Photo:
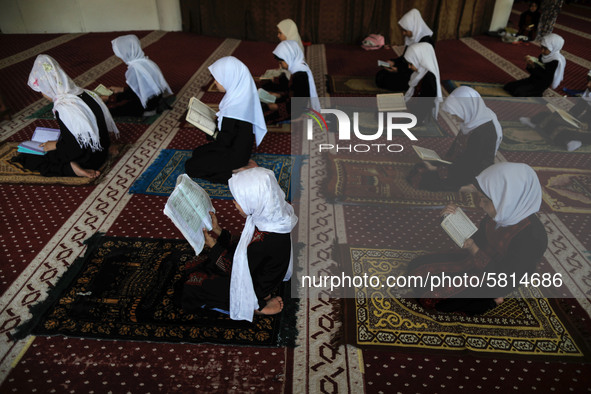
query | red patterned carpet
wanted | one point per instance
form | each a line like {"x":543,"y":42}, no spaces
{"x":44,"y":227}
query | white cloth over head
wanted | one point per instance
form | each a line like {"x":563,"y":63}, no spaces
{"x":49,"y":78}
{"x":290,"y":29}
{"x":259,"y":195}
{"x":554,"y":43}
{"x":292,"y":55}
{"x":413,"y":22}
{"x":241,"y":100}
{"x":422,"y":56}
{"x":468,"y":105}
{"x":514,"y":189}
{"x":143,"y":75}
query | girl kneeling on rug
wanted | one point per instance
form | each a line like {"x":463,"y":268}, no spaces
{"x":511,"y":240}
{"x":473,"y":149}
{"x":301,"y":84}
{"x":84,"y":123}
{"x":414,"y":30}
{"x":547,"y":72}
{"x":240,"y":124}
{"x":242,"y":277}
{"x":146,"y":86}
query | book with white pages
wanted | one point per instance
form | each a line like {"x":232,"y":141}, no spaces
{"x":273,"y":73}
{"x":382,"y":63}
{"x":391,"y":102}
{"x":40,"y":136}
{"x":458,"y":226}
{"x":202,"y":116}
{"x":565,"y":116}
{"x":102,"y":90}
{"x":428,"y":154}
{"x":266,"y":97}
{"x":536,"y":61}
{"x":188,"y":207}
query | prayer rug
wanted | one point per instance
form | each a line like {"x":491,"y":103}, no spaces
{"x":14,"y":173}
{"x":518,"y":137}
{"x":566,"y":189}
{"x":353,"y":181}
{"x":529,"y":325}
{"x":339,"y":84}
{"x":47,"y":113}
{"x":123,"y":289}
{"x":160,"y":178}
{"x":485,"y":89}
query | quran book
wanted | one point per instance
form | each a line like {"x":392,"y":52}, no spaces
{"x":536,"y":61}
{"x":391,"y":102}
{"x":102,"y":90}
{"x":201,"y":116}
{"x":41,"y":135}
{"x":270,"y":74}
{"x":565,"y":116}
{"x":459,"y":227}
{"x":266,"y":97}
{"x":188,"y":207}
{"x":428,"y":154}
{"x":382,"y":63}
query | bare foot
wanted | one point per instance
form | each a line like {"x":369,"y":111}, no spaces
{"x":251,"y":164}
{"x":83,"y":172}
{"x":273,"y":307}
{"x":499,"y":300}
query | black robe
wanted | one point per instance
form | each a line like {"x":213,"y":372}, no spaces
{"x":231,"y":150}
{"x":206,"y":282}
{"x":539,"y":80}
{"x":559,"y":132}
{"x":425,"y":91}
{"x":297,"y":86}
{"x":57,"y":162}
{"x":127,"y":103}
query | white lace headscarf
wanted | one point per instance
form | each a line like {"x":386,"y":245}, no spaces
{"x":257,"y":192}
{"x":294,"y":57}
{"x":413,"y":22}
{"x":554,"y":43}
{"x":290,"y":29}
{"x":514,"y":189}
{"x":143,"y":75}
{"x":50,"y":79}
{"x":422,"y":56}
{"x":241,"y":100}
{"x":466,"y":103}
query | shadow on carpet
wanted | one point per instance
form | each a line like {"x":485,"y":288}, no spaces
{"x":122,"y":289}
{"x":160,"y":178}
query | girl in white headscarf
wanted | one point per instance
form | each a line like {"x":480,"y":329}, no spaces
{"x":240,"y":124}
{"x":242,"y":278}
{"x":146,"y":84}
{"x":510,"y":240}
{"x":472,"y":151}
{"x":288,"y":30}
{"x":414,"y":30}
{"x":84,"y":123}
{"x":301,"y":84}
{"x":546,"y":72}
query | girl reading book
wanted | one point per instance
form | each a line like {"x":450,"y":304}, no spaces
{"x":146,"y":87}
{"x":473,"y":149}
{"x":240,"y":124}
{"x":241,"y":276}
{"x":84,"y":123}
{"x":511,"y":239}
{"x":301,"y":84}
{"x":414,"y":30}
{"x":545,"y":71}
{"x":288,"y":30}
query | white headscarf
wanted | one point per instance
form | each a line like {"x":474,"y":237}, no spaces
{"x":467,"y":104}
{"x":290,"y":29}
{"x":294,"y":57}
{"x":50,"y":79}
{"x":514,"y":190}
{"x":257,"y":192}
{"x":241,"y":100}
{"x":413,"y":22}
{"x":422,"y":56}
{"x":143,"y":75}
{"x":554,"y":43}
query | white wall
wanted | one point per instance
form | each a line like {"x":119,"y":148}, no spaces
{"x":72,"y":16}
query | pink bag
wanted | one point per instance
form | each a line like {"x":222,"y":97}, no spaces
{"x":373,"y":41}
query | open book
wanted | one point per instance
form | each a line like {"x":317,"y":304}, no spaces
{"x":391,"y":102}
{"x":266,"y":97}
{"x":565,"y":115}
{"x":41,"y":135}
{"x":102,"y":90}
{"x":382,"y":63}
{"x":273,"y":73}
{"x":459,"y":227}
{"x":428,"y":154}
{"x":536,"y":61}
{"x":201,"y":116}
{"x":188,"y":207}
